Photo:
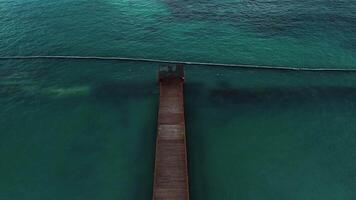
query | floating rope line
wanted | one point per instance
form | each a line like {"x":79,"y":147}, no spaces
{"x":265,"y":67}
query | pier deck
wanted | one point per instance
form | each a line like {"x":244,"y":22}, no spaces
{"x":171,"y":173}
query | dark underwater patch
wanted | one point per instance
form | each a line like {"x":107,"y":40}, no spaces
{"x":225,"y":95}
{"x":350,"y":44}
{"x":266,"y":17}
{"x":280,"y":95}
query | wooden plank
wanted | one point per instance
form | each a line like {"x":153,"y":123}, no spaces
{"x":171,"y":172}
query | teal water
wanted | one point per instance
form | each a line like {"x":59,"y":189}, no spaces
{"x":77,"y":130}
{"x":268,"y":135}
{"x":86,"y":130}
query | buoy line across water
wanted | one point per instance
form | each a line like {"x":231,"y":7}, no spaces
{"x":263,"y":67}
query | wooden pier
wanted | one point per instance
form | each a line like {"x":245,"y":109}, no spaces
{"x":171,"y":173}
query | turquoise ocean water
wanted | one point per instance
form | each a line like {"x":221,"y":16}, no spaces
{"x":86,"y":130}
